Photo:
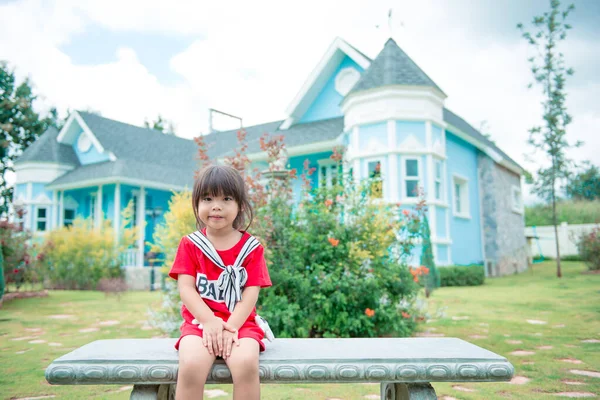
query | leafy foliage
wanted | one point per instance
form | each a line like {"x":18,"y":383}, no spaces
{"x":571,"y":212}
{"x":18,"y":255}
{"x":79,"y":256}
{"x":161,"y":125}
{"x":589,"y":249}
{"x":472,"y":275}
{"x":20,"y":126}
{"x":585,"y":185}
{"x":432,"y":280}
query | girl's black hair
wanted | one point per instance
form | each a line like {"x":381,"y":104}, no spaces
{"x":222,"y":180}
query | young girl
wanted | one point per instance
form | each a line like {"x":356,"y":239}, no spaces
{"x":219,"y":270}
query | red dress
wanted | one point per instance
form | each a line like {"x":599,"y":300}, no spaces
{"x":190,"y":260}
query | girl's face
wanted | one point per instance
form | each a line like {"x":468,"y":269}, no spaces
{"x":217,"y":213}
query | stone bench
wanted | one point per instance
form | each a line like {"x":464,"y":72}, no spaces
{"x":404,"y":366}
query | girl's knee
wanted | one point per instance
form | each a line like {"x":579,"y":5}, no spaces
{"x":192,"y":370}
{"x":243,"y":365}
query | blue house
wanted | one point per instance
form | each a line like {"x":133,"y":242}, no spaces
{"x":388,"y":114}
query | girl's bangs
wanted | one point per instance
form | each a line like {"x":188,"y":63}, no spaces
{"x":219,"y":183}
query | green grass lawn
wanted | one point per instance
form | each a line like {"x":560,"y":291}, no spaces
{"x":33,"y":332}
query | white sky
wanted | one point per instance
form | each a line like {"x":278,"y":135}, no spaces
{"x":250,"y":58}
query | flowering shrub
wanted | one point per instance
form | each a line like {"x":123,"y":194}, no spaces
{"x":79,"y":256}
{"x":18,"y":255}
{"x":589,"y":249}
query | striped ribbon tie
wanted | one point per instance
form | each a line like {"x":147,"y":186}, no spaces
{"x":233,"y":277}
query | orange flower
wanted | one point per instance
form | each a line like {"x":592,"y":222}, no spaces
{"x":328,"y":202}
{"x":405,"y":212}
{"x":425,"y":269}
{"x":369,"y":312}
{"x":405,"y":315}
{"x":334,"y":242}
{"x":416,"y":278}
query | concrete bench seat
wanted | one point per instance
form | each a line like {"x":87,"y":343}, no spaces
{"x":404,"y":366}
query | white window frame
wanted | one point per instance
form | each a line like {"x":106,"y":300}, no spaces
{"x":516,"y":207}
{"x":465,"y":205}
{"x":404,"y":177}
{"x":327,"y":163}
{"x":439,"y":180}
{"x":381,"y":161}
{"x":37,"y":219}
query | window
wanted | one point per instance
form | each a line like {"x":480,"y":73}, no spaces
{"x":41,"y":218}
{"x":374,"y":173}
{"x":460,"y":193}
{"x":68,"y":217}
{"x":439,"y":188}
{"x":517,"y":199}
{"x":328,"y":173}
{"x":411,"y":177}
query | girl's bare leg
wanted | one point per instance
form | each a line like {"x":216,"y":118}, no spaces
{"x":243,"y":364}
{"x":195,"y":363}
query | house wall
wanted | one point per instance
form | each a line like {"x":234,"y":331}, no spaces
{"x":297,"y":162}
{"x":466,"y":245}
{"x":327,"y":103}
{"x":506,"y":249}
{"x":91,"y":156}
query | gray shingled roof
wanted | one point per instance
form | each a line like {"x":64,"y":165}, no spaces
{"x":47,"y":149}
{"x":296,"y":135}
{"x":132,"y":169}
{"x":464,"y":126}
{"x":141,"y":153}
{"x":132,"y":143}
{"x":392,"y":67}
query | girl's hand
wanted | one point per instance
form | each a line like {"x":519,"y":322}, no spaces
{"x":212,"y":335}
{"x":228,"y":339}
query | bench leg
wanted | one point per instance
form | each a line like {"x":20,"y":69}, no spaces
{"x":407,"y":391}
{"x":153,"y":392}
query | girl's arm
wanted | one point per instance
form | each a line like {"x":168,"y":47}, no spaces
{"x":244,"y":307}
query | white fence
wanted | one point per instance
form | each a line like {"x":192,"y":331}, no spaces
{"x":543,"y":240}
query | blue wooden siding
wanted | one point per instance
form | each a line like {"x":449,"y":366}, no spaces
{"x":372,"y":132}
{"x":91,"y":156}
{"x":442,"y":254}
{"x":327,"y":103}
{"x":436,"y":133}
{"x":440,"y":221}
{"x":156,"y":200}
{"x":406,"y":128}
{"x":466,"y":235}
{"x":297,"y":162}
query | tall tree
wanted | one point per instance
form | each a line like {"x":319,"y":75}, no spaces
{"x":549,"y":71}
{"x":585,"y":185}
{"x":20,"y":126}
{"x":161,"y":125}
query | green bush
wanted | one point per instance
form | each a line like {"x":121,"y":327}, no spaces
{"x":572,"y":257}
{"x":332,"y":269}
{"x":589,"y":248}
{"x":571,"y":212}
{"x":18,"y":256}
{"x":472,"y":275}
{"x":79,"y":256}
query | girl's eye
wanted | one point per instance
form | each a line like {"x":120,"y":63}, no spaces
{"x":228,"y":198}
{"x":206,"y":199}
